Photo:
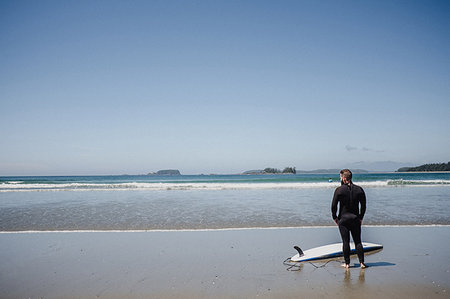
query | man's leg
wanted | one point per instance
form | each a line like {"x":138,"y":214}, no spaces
{"x":356,"y":235}
{"x":345,"y":235}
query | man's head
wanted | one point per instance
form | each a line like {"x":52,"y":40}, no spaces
{"x":346,"y":176}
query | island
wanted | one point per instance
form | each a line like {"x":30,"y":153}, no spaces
{"x":270,"y":170}
{"x":166,"y":172}
{"x":292,"y":170}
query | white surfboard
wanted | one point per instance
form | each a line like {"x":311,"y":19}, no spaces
{"x":330,"y":251}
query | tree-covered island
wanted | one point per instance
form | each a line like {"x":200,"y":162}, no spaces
{"x":270,"y":170}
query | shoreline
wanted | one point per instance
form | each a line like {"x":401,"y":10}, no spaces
{"x":216,"y":229}
{"x":220,"y":264}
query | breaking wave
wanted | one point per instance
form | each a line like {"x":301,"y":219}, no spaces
{"x":16,"y":186}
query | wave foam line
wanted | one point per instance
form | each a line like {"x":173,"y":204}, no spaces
{"x":15,"y":186}
{"x":162,"y":186}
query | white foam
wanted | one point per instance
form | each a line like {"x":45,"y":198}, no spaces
{"x":402,"y":182}
{"x":160,"y":186}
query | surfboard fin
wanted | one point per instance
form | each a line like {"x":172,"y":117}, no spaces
{"x":300,"y":252}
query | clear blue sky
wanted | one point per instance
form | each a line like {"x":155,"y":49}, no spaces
{"x":112,"y":87}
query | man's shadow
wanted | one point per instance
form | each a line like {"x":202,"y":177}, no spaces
{"x":379,"y":264}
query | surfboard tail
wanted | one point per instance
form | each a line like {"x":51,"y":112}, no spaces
{"x":300,"y":252}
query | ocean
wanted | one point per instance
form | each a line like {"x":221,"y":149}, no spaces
{"x":199,"y":202}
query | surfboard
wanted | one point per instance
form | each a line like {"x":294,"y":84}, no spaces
{"x":330,"y":251}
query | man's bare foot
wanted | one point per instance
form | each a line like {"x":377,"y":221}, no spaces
{"x":363,"y":266}
{"x":346,"y":266}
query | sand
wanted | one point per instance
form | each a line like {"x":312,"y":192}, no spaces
{"x":415,"y":263}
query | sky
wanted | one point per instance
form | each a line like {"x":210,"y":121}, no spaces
{"x":131,"y":87}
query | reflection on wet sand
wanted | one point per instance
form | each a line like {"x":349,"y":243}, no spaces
{"x":348,"y":280}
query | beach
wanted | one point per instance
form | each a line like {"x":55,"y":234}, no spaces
{"x":233,"y":263}
{"x":217,"y":237}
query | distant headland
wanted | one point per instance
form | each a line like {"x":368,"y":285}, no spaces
{"x":427,"y":167}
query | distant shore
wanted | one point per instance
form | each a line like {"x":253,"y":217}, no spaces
{"x":225,"y":174}
{"x":330,"y":172}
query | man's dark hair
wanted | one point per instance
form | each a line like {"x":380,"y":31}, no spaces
{"x":347,"y":174}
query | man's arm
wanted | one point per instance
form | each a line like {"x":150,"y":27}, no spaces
{"x":334,"y":204}
{"x":362,"y":202}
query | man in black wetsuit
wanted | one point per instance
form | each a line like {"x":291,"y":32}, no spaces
{"x":349,"y":197}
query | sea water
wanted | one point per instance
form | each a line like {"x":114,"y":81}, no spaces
{"x":69,"y":203}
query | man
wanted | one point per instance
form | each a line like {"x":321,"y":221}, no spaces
{"x":349,"y":197}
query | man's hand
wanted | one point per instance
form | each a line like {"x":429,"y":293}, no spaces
{"x":336,"y":221}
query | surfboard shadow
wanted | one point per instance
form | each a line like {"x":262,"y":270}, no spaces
{"x":379,"y":264}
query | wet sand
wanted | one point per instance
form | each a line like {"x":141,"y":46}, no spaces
{"x":415,"y":263}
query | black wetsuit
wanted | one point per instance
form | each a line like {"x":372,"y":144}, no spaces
{"x":350,"y":197}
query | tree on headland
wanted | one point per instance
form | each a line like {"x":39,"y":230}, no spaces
{"x":271,"y":170}
{"x":290,"y":170}
{"x":277,"y":171}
